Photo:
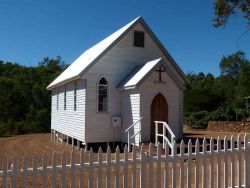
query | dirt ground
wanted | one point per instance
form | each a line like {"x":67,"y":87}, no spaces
{"x":41,"y":143}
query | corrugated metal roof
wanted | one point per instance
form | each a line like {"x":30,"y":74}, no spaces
{"x":82,"y":63}
{"x":141,"y":74}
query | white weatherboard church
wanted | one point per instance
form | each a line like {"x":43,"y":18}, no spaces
{"x":127,"y":78}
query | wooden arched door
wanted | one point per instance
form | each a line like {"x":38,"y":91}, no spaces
{"x":159,"y":112}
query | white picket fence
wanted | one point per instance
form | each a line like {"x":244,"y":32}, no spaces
{"x":218,"y":163}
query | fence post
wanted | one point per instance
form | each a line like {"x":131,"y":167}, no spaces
{"x":57,"y":138}
{"x":247,"y":155}
{"x":163,"y":139}
{"x":128,"y":141}
{"x":156,"y":132}
{"x":72,"y":142}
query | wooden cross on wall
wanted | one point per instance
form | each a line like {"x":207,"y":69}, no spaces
{"x":160,"y":70}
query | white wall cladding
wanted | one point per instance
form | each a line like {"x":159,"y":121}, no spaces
{"x":70,"y":122}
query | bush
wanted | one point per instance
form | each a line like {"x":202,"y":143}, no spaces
{"x":221,"y":114}
{"x":243,"y":114}
{"x":198,"y":120}
{"x":20,"y":128}
{"x":4,"y":131}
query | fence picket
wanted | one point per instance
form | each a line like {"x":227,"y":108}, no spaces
{"x":174,"y":155}
{"x":189,"y":166}
{"x":25,"y":166}
{"x":63,"y":162}
{"x":108,"y":170}
{"x":166,"y":173}
{"x":236,"y":156}
{"x":99,"y":177}
{"x":248,"y":164}
{"x":182,"y":164}
{"x":232,"y":162}
{"x":90,"y":168}
{"x":34,"y":166}
{"x":211,"y":163}
{"x":81,"y":176}
{"x":125,"y":176}
{"x":197,"y":163}
{"x":204,"y":164}
{"x":225,"y":162}
{"x":246,"y":156}
{"x":117,"y":167}
{"x":53,"y":178}
{"x":143,"y":168}
{"x":159,"y":165}
{"x":218,"y":165}
{"x":239,"y":161}
{"x":13,"y":179}
{"x":44,"y":172}
{"x":5,"y":168}
{"x":133,"y":167}
{"x":150,"y":166}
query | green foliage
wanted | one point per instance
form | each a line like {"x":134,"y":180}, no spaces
{"x":243,"y":114}
{"x":197,"y":120}
{"x":221,"y":114}
{"x":24,"y":101}
{"x":220,"y":96}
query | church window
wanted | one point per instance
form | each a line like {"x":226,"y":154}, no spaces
{"x":57,"y":99}
{"x":75,"y":95}
{"x":139,"y":39}
{"x":65,"y":100}
{"x":102,"y":95}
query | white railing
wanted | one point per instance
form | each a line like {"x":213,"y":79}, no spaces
{"x":220,"y":164}
{"x":135,"y":134}
{"x":165,"y":130}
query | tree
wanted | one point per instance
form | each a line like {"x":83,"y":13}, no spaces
{"x":231,"y":65}
{"x":24,"y":101}
{"x":243,"y":87}
{"x":225,"y":8}
{"x":203,"y":93}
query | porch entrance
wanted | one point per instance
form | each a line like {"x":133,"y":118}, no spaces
{"x":159,"y":112}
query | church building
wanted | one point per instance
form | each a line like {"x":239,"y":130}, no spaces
{"x":129,"y":78}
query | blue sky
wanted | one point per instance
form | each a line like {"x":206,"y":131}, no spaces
{"x":31,"y":30}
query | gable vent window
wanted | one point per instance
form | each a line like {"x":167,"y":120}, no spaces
{"x":103,"y":95}
{"x":139,"y":38}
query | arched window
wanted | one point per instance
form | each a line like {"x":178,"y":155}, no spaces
{"x":102,"y":95}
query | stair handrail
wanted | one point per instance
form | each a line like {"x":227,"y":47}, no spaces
{"x":163,"y":135}
{"x":128,"y":129}
{"x":133,"y":124}
{"x":135,"y":134}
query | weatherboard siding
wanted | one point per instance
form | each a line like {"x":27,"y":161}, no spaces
{"x":130,"y":113}
{"x":69,"y":121}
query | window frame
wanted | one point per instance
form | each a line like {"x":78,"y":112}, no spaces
{"x":98,"y":102}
